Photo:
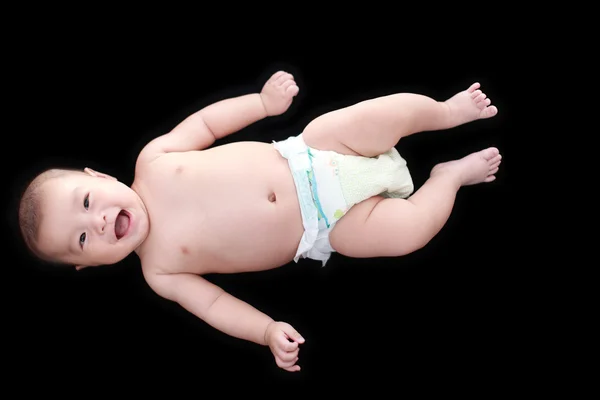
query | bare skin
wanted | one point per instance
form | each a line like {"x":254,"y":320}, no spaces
{"x":194,"y":204}
{"x":265,"y":233}
{"x":234,"y":208}
{"x":394,"y":227}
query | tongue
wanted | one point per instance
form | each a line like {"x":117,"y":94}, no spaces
{"x":121,"y":225}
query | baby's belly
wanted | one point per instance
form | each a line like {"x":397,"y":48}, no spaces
{"x":250,"y":234}
{"x":239,"y":211}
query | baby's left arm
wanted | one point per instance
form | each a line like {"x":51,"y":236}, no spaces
{"x":201,"y":129}
{"x":231,"y":115}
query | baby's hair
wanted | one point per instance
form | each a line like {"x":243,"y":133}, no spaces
{"x":30,"y":206}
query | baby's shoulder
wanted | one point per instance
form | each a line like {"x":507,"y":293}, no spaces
{"x":157,"y":171}
{"x":157,"y":280}
{"x":154,"y":261}
{"x":156,"y":162}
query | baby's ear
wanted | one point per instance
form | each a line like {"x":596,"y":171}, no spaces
{"x":98,"y":174}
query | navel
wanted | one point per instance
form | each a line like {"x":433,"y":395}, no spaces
{"x":272,"y":198}
{"x":185,"y":250}
{"x":178,"y":169}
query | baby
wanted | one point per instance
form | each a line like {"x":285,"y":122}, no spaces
{"x":339,"y":186}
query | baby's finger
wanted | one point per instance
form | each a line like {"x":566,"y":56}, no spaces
{"x":285,"y":355}
{"x":295,"y":368}
{"x":286,"y":345}
{"x":293,"y":355}
{"x":277,"y":75}
{"x":287,"y":84}
{"x":284,"y":77}
{"x":293,"y":334}
{"x":287,"y":364}
{"x":292,"y":90}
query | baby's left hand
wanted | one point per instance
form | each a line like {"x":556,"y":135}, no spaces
{"x":278,"y":93}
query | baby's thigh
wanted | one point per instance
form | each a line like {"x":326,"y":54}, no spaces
{"x":327,"y":131}
{"x":380,"y":227}
{"x":351,"y":235}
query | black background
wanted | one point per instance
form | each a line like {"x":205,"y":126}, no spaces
{"x":454,"y":313}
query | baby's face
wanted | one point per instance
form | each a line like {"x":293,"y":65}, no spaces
{"x":91,"y":220}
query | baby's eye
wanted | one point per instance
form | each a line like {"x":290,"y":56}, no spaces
{"x":82,"y":239}
{"x":86,"y":201}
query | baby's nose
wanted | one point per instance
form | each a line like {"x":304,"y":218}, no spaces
{"x":101,"y":223}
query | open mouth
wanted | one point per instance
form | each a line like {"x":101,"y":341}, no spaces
{"x":122,"y":224}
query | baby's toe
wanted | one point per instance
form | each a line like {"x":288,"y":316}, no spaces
{"x":488,"y":112}
{"x":476,"y":93}
{"x":490,"y":153}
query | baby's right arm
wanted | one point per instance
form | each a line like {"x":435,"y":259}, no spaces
{"x":230,"y":315}
{"x":213,"y":305}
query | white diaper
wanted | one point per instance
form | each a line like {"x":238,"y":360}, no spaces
{"x":328,"y":184}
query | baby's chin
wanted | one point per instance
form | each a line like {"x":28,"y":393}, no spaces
{"x":125,"y":247}
{"x":117,"y":252}
{"x":112,"y":257}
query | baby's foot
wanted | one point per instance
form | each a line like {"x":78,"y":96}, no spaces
{"x":475,"y":168}
{"x":470,"y":104}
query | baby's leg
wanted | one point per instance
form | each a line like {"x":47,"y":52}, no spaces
{"x":380,"y":227}
{"x":372,"y":127}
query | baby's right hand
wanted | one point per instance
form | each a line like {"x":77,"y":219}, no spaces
{"x":278,"y":336}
